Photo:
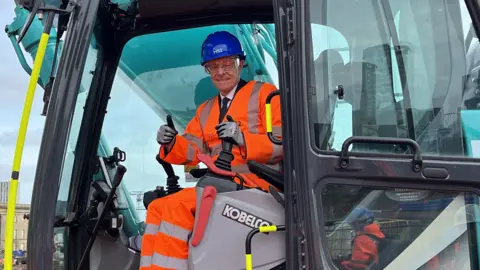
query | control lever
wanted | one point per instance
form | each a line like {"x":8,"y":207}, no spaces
{"x":172,"y":179}
{"x":117,"y":179}
{"x":207,"y":160}
{"x":224,"y":160}
{"x":170,"y":125}
{"x":198,"y":173}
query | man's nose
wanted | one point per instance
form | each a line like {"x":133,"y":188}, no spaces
{"x":221,"y":70}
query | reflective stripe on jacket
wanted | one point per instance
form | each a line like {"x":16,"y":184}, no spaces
{"x":248,"y":109}
{"x":169,"y":222}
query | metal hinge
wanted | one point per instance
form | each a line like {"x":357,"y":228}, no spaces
{"x":293,"y":197}
{"x":290,"y":22}
{"x":301,"y":249}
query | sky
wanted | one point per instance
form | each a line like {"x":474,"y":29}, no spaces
{"x":13,"y":87}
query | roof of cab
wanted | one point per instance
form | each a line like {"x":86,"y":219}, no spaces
{"x":166,"y":15}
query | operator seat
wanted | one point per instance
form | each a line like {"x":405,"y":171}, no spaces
{"x":204,"y":91}
{"x":227,"y":215}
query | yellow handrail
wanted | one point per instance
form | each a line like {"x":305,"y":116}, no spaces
{"x":17,"y":159}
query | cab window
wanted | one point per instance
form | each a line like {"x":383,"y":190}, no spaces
{"x":401,"y":69}
{"x":169,"y":80}
{"x":406,"y":69}
{"x":408,"y":229}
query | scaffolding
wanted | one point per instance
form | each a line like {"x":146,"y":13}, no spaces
{"x":340,"y":236}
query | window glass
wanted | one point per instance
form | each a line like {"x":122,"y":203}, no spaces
{"x":159,"y":76}
{"x":401,"y":228}
{"x":406,"y":69}
{"x":75,"y":129}
{"x":62,"y":198}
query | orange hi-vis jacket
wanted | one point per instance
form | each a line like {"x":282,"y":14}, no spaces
{"x":247,"y":108}
{"x":364,"y":248}
{"x":170,"y":219}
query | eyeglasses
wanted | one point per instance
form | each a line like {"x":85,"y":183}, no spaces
{"x":226,"y":64}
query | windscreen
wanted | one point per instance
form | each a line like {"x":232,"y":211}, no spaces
{"x":392,"y":68}
{"x":159,"y":75}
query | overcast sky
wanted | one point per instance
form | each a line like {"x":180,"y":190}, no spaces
{"x":13,"y":87}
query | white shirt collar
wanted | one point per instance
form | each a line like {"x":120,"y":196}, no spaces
{"x":230,"y":94}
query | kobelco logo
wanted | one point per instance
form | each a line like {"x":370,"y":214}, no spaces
{"x":243,"y":217}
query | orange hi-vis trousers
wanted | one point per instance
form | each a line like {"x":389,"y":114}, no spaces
{"x":170,"y":219}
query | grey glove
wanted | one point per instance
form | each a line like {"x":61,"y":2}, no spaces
{"x":230,"y":130}
{"x":165,"y":135}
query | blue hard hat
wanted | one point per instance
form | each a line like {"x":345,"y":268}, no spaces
{"x":359,"y":214}
{"x":221,"y":44}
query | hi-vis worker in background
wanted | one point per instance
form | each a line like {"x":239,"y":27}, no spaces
{"x":170,"y":219}
{"x":364,"y":249}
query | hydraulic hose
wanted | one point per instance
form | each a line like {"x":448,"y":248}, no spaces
{"x":20,"y":56}
{"x":17,"y":159}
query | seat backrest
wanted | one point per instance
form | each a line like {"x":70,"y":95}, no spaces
{"x":232,"y":216}
{"x":204,"y":90}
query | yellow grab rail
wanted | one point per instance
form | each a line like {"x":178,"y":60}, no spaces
{"x":17,"y":159}
{"x":248,"y":242}
{"x":268,"y":116}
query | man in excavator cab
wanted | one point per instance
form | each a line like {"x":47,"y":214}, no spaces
{"x":170,"y":219}
{"x":365,"y":248}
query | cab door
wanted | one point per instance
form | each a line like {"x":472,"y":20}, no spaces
{"x":381,"y":132}
{"x":55,"y":166}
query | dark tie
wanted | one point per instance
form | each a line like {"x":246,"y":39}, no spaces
{"x":224,"y":108}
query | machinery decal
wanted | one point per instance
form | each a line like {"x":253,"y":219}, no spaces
{"x":244,"y":217}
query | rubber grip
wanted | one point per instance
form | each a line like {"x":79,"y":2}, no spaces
{"x":268,"y":116}
{"x":170,"y":122}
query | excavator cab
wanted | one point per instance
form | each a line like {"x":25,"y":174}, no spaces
{"x":228,"y":212}
{"x":379,"y":106}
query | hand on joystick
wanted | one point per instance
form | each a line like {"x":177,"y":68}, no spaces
{"x":230,"y":131}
